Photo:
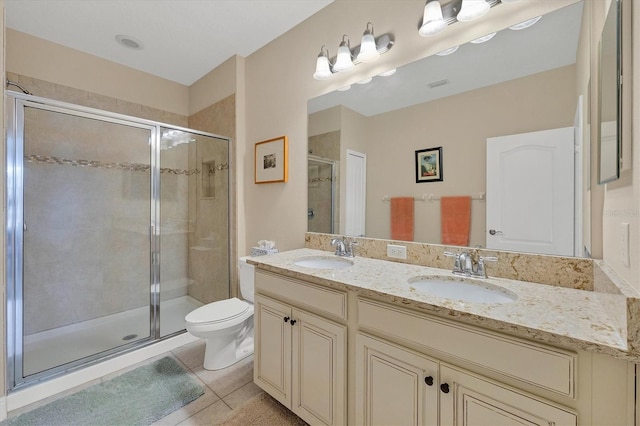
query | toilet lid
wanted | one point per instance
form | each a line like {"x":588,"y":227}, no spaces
{"x":222,"y":310}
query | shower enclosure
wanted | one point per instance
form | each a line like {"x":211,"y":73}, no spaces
{"x":117,"y":227}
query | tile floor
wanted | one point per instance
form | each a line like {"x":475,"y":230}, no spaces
{"x":225,"y":390}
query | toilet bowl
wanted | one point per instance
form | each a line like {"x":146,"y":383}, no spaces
{"x":226,"y":325}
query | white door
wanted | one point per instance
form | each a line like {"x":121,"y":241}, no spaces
{"x":530,"y":192}
{"x":355,"y":193}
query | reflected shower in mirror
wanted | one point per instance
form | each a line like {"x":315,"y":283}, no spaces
{"x":609,"y":98}
{"x":517,"y":82}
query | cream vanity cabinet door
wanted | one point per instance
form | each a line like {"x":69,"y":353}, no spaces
{"x":272,"y":355}
{"x":468,"y":399}
{"x":319,"y":356}
{"x":394,"y":386}
{"x":300,"y":360}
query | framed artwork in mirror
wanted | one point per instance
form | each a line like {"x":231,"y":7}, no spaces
{"x":429,"y":165}
{"x":271,"y":161}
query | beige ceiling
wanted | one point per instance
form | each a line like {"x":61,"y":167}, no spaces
{"x":183,"y":39}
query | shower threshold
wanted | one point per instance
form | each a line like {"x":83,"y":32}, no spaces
{"x":59,"y":346}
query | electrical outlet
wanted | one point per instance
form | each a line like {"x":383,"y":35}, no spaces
{"x":397,"y":252}
{"x":623,"y":235}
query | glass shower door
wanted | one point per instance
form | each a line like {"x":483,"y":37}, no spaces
{"x":194,"y":224}
{"x":85,"y":236}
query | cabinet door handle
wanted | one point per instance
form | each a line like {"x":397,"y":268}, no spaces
{"x":428,"y":380}
{"x":444,"y":388}
{"x":293,"y":322}
{"x":286,"y":319}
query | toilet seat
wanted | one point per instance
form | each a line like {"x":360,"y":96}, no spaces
{"x":223,"y":311}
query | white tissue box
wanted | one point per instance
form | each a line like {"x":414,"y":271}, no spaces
{"x":259,"y":251}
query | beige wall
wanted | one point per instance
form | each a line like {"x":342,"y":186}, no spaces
{"x":460,"y":125}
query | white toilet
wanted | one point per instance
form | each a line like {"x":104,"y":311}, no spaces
{"x":227,"y":325}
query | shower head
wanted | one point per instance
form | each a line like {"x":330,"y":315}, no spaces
{"x":25,"y":91}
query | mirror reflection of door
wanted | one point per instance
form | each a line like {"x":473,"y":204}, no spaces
{"x":355,"y":193}
{"x":321,"y":207}
{"x":530,"y":192}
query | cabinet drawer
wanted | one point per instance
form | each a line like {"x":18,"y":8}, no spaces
{"x":321,"y":299}
{"x":546,"y":367}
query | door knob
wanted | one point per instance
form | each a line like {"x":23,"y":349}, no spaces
{"x":444,"y":388}
{"x":292,"y":322}
{"x":428,"y":380}
{"x":286,"y":319}
{"x":494,"y":232}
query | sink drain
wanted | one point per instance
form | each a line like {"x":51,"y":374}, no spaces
{"x":130,"y":336}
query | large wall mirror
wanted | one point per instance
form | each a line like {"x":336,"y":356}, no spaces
{"x":609,"y":99}
{"x":518,"y":81}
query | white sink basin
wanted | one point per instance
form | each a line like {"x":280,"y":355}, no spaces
{"x":465,"y":290}
{"x":323,"y":262}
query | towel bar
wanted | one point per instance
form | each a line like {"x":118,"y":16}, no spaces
{"x":431,"y":197}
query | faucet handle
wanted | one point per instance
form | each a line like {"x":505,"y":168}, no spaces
{"x":351,"y":249}
{"x":457,"y":266}
{"x":481,"y":269}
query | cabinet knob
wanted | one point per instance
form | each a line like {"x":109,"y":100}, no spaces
{"x":286,"y":319}
{"x":444,"y":387}
{"x":293,"y":322}
{"x":428,"y":380}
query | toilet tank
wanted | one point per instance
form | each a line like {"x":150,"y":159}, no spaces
{"x":246,"y":279}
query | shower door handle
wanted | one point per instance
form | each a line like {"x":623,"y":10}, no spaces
{"x":24,"y":226}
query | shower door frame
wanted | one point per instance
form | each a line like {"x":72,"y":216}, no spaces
{"x":15,"y":228}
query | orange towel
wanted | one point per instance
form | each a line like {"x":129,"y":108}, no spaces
{"x":402,"y":218}
{"x":455,"y":214}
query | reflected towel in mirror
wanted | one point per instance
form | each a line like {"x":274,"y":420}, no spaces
{"x":455,"y":220}
{"x":402,"y":209}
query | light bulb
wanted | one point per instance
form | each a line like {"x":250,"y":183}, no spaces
{"x":323,"y":67}
{"x":432,"y":20}
{"x":472,"y":9}
{"x":343,"y":60}
{"x":368,"y":48}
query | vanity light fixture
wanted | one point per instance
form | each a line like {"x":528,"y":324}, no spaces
{"x":368,"y":50}
{"x":347,"y":57}
{"x":432,"y":19}
{"x":438,"y":16}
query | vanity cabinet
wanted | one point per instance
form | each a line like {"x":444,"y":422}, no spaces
{"x":393,"y":381}
{"x":300,"y":357}
{"x":396,"y":385}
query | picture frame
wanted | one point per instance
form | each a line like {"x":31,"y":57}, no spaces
{"x":429,"y":165}
{"x":271,"y":161}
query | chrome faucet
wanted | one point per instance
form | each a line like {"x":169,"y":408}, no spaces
{"x":464,"y":264}
{"x":344,"y":247}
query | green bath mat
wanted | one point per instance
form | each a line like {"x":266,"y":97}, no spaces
{"x":138,"y":397}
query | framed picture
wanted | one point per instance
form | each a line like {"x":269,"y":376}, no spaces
{"x":271,"y":161}
{"x":429,"y":165}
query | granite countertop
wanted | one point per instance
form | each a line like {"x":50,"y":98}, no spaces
{"x":570,"y":318}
